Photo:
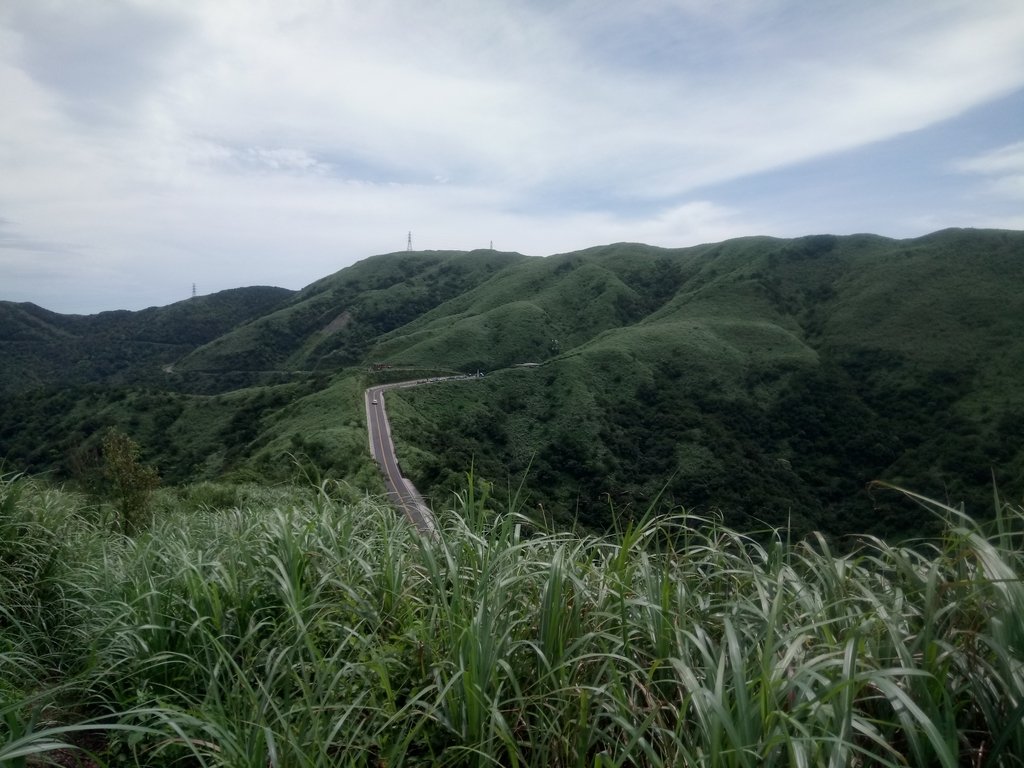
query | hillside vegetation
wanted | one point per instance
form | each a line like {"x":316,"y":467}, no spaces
{"x":772,"y":379}
{"x":331,"y":323}
{"x":768,"y":380}
{"x":252,"y":626}
{"x":42,"y":348}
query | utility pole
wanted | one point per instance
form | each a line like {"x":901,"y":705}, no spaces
{"x":408,"y":243}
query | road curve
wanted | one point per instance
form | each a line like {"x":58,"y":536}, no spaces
{"x":401,"y":492}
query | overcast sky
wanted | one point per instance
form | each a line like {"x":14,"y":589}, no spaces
{"x":146,"y":145}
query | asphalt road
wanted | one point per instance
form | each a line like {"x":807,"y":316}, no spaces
{"x":401,"y":492}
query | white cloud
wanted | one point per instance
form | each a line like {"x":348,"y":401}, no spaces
{"x":228,"y":142}
{"x":1002,"y":169}
{"x":999,"y":162}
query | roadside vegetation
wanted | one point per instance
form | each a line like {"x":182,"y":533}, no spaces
{"x":245,"y":625}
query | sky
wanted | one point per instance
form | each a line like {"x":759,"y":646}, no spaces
{"x":149,"y":146}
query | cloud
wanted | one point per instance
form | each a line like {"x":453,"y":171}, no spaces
{"x":523,"y":97}
{"x":1001,"y":186}
{"x":230,"y":142}
{"x":12,"y":240}
{"x":1002,"y":169}
{"x":98,"y":59}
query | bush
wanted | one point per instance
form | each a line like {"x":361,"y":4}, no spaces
{"x":132,"y":483}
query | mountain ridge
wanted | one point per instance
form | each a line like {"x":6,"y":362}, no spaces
{"x":752,"y":375}
{"x":44,"y":347}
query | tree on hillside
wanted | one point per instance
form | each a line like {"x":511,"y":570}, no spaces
{"x":133,"y":482}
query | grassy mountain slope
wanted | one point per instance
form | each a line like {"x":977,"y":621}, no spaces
{"x":42,"y":348}
{"x":330,"y":323}
{"x":771,"y":378}
{"x":777,"y":380}
{"x":532,"y":310}
{"x":304,"y":428}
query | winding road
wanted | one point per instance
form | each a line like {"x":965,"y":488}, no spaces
{"x":401,"y":491}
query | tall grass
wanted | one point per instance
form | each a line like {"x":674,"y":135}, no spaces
{"x":301,"y":630}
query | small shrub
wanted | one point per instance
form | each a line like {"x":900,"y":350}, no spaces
{"x":133,"y":482}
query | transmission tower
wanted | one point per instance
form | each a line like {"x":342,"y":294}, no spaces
{"x":408,"y":243}
{"x":193,"y":290}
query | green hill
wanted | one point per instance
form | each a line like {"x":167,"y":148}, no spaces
{"x":770,"y":378}
{"x":42,"y":348}
{"x":331,"y":323}
{"x":777,"y":380}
